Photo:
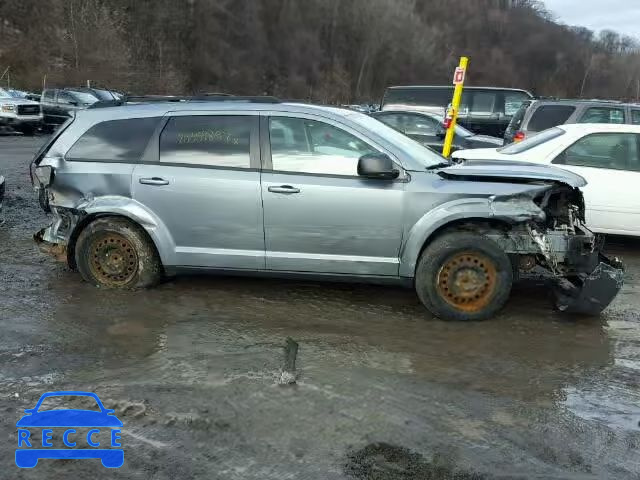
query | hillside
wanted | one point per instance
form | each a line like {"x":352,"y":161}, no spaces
{"x":326,"y":50}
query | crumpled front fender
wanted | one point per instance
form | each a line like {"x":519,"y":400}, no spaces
{"x":507,"y":208}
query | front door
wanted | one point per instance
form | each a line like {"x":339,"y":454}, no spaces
{"x":205,"y":189}
{"x":610,"y":162}
{"x":319,"y":215}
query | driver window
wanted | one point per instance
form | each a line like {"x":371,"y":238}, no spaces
{"x":617,"y":151}
{"x":309,"y":146}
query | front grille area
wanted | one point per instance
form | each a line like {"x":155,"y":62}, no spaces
{"x":28,"y":109}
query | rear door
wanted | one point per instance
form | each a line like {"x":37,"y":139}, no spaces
{"x":483,"y":117}
{"x":205,"y":188}
{"x":610,"y":162}
{"x":319,"y":215}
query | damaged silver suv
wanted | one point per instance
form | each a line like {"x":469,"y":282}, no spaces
{"x":252,"y":185}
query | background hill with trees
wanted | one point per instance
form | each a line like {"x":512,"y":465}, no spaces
{"x":325,"y":50}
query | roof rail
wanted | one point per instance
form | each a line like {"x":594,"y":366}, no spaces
{"x":206,"y":97}
{"x":580,"y":100}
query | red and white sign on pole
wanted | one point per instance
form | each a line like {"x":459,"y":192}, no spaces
{"x":458,"y":76}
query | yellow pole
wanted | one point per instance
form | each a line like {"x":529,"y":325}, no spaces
{"x":455,"y":106}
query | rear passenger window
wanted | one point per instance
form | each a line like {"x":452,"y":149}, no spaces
{"x":483,"y":103}
{"x":635,"y":117}
{"x":221,"y":140}
{"x":114,"y":141}
{"x":602,"y":115}
{"x":548,"y":116}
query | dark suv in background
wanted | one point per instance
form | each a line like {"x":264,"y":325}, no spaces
{"x":484,"y":110}
{"x":537,"y":115}
{"x":59,"y":103}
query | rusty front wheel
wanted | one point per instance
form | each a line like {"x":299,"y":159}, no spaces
{"x":467,"y":281}
{"x":464,"y":276}
{"x":114,"y":252}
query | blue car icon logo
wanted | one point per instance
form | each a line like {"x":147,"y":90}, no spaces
{"x":72,"y":429}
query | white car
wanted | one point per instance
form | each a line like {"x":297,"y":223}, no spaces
{"x":606,"y":155}
{"x":19,"y":113}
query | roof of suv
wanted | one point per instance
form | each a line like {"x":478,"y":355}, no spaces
{"x":161,"y":108}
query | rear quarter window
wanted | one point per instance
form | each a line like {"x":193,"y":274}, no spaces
{"x":114,"y":141}
{"x":547,"y":116}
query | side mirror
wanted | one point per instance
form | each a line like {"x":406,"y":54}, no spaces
{"x":377,"y":165}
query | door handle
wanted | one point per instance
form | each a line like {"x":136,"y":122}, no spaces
{"x":284,"y":189}
{"x":154,"y":181}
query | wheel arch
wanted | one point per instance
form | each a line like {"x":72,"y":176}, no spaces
{"x":452,"y":215}
{"x":151,"y":232}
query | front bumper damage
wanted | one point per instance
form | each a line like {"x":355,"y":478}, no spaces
{"x":590,"y":294}
{"x":585,"y":280}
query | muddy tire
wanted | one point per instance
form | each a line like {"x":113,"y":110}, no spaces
{"x":463,"y":276}
{"x":114,"y":252}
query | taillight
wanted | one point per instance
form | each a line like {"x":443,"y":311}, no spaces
{"x":518,"y":137}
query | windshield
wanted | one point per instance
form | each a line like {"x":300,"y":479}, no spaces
{"x":4,"y":93}
{"x":532,"y":142}
{"x":423,"y":154}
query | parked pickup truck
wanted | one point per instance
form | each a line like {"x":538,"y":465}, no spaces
{"x":19,"y":113}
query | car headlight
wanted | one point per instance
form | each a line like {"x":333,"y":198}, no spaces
{"x":8,"y":107}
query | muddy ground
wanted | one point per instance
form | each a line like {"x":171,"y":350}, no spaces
{"x":385,"y":391}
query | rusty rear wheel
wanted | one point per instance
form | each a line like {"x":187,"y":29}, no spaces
{"x":114,"y":252}
{"x":464,"y":276}
{"x":113,"y":261}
